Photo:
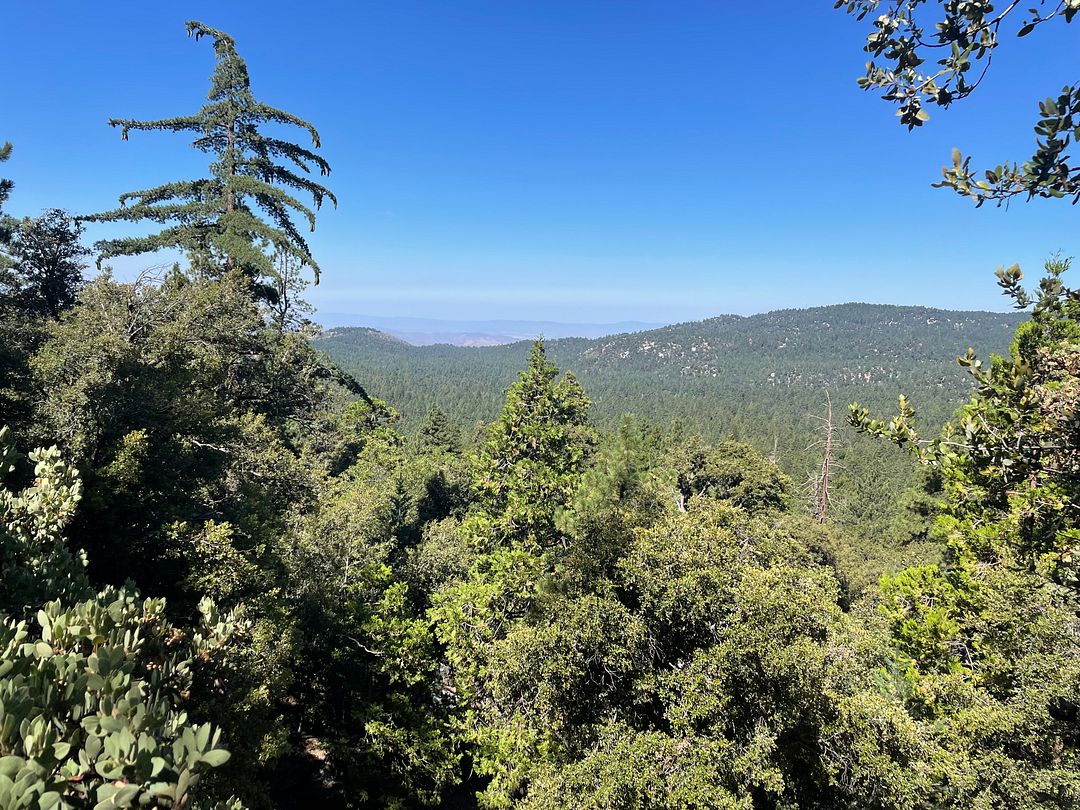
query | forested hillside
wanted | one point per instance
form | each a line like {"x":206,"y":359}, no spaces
{"x":726,"y":375}
{"x":764,"y":380}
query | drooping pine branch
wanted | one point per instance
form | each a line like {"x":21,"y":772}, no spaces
{"x":273,"y":147}
{"x":247,"y":204}
{"x":187,"y":122}
{"x":281,"y":117}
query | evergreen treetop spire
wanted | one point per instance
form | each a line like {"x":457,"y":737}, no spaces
{"x":7,"y":223}
{"x":246,"y":206}
{"x":5,"y":185}
{"x":535,"y":450}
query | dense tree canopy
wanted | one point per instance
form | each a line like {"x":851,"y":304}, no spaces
{"x":230,"y":577}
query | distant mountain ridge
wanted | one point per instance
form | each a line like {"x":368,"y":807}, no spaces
{"x":714,"y":374}
{"x":472,"y":333}
{"x":832,"y":345}
{"x":760,"y":379}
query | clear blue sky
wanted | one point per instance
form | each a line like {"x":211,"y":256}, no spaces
{"x":570,"y":159}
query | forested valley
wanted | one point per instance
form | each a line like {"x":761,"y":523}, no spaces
{"x":245,"y":563}
{"x":767,"y":381}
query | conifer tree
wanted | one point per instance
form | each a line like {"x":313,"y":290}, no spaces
{"x":534,"y":453}
{"x":5,"y":185}
{"x":245,"y":208}
{"x":6,"y":222}
{"x":438,"y":433}
{"x":48,"y":260}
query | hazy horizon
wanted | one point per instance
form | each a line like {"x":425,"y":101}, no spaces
{"x":333,"y":319}
{"x":566,"y":162}
{"x":497,"y":331}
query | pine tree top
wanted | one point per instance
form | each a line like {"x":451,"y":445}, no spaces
{"x":247,"y":204}
{"x":5,"y":185}
{"x":534,"y":452}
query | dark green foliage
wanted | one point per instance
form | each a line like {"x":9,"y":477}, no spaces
{"x":437,"y":433}
{"x":245,"y":205}
{"x":41,"y":263}
{"x":20,"y":334}
{"x":201,"y":430}
{"x":47,"y":262}
{"x":527,"y":468}
{"x":170,"y":428}
{"x":995,"y":625}
{"x":959,"y":38}
{"x":93,"y":692}
{"x":5,"y":191}
{"x":371,"y":690}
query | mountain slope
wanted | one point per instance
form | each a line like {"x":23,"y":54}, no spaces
{"x":760,"y":379}
{"x":777,"y":364}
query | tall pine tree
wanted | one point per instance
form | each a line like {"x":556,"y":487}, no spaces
{"x":438,"y":433}
{"x":243,"y":211}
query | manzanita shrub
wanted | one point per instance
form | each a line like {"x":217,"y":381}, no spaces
{"x":92,"y":693}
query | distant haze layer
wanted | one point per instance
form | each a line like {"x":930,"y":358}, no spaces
{"x":433,"y":331}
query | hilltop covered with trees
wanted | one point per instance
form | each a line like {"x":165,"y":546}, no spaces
{"x":764,"y":380}
{"x":228,"y":578}
{"x":723,"y":375}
